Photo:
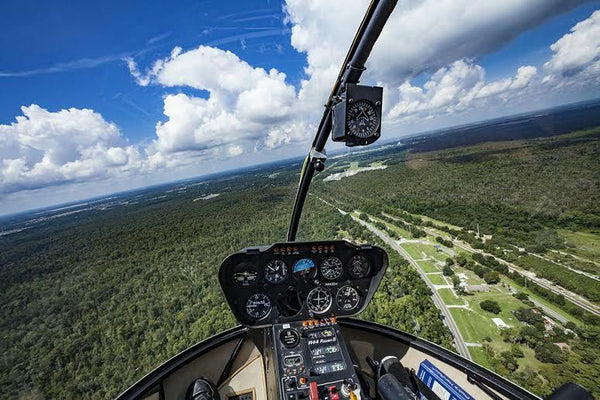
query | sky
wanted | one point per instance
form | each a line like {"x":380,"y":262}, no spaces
{"x":98,"y":97}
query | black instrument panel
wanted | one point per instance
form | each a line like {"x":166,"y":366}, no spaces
{"x":295,"y":281}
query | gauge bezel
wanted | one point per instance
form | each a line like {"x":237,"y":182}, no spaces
{"x":339,"y":293}
{"x":329,"y":301}
{"x":267,"y":313}
{"x":285,"y":272}
{"x":312,"y":270}
{"x":341,"y":268}
{"x":351,"y":270}
{"x":373,"y":109}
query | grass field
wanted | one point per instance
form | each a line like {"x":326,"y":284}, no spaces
{"x":474,"y":326}
{"x":437,"y":279}
{"x":472,"y":278}
{"x":440,"y":223}
{"x":587,"y":245}
{"x":449,"y":298}
{"x":402,"y":232}
{"x":428,"y":266}
{"x":419,"y":250}
{"x":478,"y":355}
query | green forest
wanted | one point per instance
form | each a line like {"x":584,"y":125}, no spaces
{"x":94,"y":300}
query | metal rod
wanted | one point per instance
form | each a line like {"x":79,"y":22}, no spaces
{"x":354,"y":64}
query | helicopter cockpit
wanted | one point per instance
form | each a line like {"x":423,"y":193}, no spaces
{"x":297,"y":290}
{"x":294,"y":302}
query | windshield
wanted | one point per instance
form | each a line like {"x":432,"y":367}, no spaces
{"x":142,"y":143}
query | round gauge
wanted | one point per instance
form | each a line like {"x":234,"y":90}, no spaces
{"x":275,"y":271}
{"x":258,"y":306}
{"x":332,"y":268}
{"x":244,"y":275}
{"x":347,"y":298}
{"x":362,"y":119}
{"x":359,"y":266}
{"x":305,"y":268}
{"x":318,"y":300}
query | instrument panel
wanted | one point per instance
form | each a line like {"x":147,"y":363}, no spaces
{"x":295,"y":281}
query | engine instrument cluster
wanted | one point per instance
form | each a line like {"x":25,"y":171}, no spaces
{"x":301,"y":280}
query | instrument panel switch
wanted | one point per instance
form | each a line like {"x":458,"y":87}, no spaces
{"x":333,"y":393}
{"x":314,"y":391}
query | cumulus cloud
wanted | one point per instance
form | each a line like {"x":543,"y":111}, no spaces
{"x":577,"y":54}
{"x":459,"y":87}
{"x":421,"y":36}
{"x":245,"y":107}
{"x":239,"y":109}
{"x":44,"y":148}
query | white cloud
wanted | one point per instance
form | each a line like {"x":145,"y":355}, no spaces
{"x":456,"y":88}
{"x":420,"y":35}
{"x":245,"y":105}
{"x":44,"y":148}
{"x":241,"y":110}
{"x":577,"y":54}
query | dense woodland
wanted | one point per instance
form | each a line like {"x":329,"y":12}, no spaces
{"x":94,"y":300}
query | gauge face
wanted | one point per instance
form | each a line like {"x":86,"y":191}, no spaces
{"x":332,"y":268}
{"x":319,"y":300}
{"x":258,"y":306}
{"x":347,"y":298}
{"x":362,"y":119}
{"x":359,"y":266}
{"x":305,"y":268}
{"x":275,"y":271}
{"x":245,"y":277}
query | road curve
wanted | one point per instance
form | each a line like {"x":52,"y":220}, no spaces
{"x":459,"y":342}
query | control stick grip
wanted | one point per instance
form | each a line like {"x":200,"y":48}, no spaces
{"x":389,"y":388}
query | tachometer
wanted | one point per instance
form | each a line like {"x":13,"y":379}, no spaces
{"x":258,"y":306}
{"x":359,"y":266}
{"x":319,"y":300}
{"x":332,"y":268}
{"x":347,"y":298}
{"x":275,"y":271}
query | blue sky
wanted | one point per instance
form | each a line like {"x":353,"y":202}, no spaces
{"x":87,"y":42}
{"x":60,"y":59}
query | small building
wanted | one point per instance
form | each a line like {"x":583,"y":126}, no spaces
{"x":477,"y":288}
{"x":548,"y":323}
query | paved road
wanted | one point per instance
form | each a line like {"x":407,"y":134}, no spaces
{"x":437,"y":300}
{"x":577,"y":271}
{"x":550,"y":312}
{"x":573,"y":297}
{"x":546,"y":284}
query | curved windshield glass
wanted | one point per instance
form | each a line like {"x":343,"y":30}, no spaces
{"x":142,"y":143}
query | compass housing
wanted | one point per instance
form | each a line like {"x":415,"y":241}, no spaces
{"x":357,"y":116}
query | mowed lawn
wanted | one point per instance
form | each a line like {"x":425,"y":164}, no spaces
{"x":437,"y":279}
{"x":417,"y":250}
{"x":476,"y":324}
{"x":449,"y":298}
{"x":428,"y":266}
